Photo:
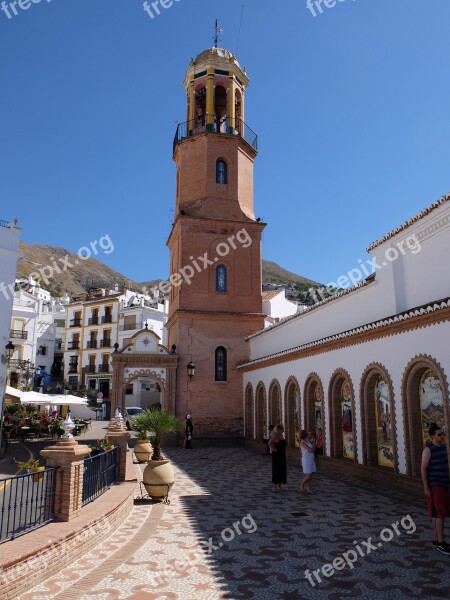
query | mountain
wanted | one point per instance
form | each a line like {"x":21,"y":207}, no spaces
{"x":65,"y":273}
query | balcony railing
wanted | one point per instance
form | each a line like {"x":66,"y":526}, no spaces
{"x":211,"y":124}
{"x":73,"y":346}
{"x":107,"y":319}
{"x":91,"y":344}
{"x":73,"y":368}
{"x":19,"y":334}
{"x":75,"y":323}
{"x":93,"y":321}
{"x":105,"y":344}
{"x":89,"y":369}
{"x":5,"y":224}
{"x":103,"y":368}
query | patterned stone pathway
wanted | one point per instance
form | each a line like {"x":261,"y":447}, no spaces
{"x":225,"y":535}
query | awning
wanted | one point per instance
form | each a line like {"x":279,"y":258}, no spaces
{"x":10,"y":391}
{"x":57,"y":400}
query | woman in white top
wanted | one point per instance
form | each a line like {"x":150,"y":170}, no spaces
{"x":307,"y":448}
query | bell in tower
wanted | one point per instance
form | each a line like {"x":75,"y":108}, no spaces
{"x":215,"y":245}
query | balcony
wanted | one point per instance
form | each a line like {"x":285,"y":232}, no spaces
{"x":89,"y":369}
{"x":73,"y":345}
{"x":103,"y":369}
{"x":91,"y":344}
{"x":107,"y":319}
{"x":73,"y":368}
{"x":210,"y":124}
{"x":105,"y":344}
{"x":93,"y":321}
{"x":19,"y":334}
{"x":75,"y":323}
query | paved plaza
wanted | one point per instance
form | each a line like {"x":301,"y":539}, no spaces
{"x":226,"y":535}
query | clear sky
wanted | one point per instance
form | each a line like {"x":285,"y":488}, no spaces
{"x":351,"y":107}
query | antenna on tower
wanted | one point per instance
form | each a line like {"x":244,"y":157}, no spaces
{"x":216,"y":36}
{"x":240,"y":29}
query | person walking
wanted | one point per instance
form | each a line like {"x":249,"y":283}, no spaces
{"x":188,"y":429}
{"x":307,"y":449}
{"x":436,"y":484}
{"x":277,"y":445}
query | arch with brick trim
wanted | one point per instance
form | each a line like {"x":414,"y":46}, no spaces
{"x":261,"y":411}
{"x":292,"y":403}
{"x":337,"y":380}
{"x":412,"y":417}
{"x":369,"y":433}
{"x":313,"y":391}
{"x":249,"y":412}
{"x":275,"y":408}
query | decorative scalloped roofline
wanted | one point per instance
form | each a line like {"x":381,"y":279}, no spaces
{"x":417,"y":217}
{"x":404,"y":316}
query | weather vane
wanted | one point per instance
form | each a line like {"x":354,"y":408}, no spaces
{"x":217,"y":31}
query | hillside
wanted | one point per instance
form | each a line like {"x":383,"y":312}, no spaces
{"x":77,"y":276}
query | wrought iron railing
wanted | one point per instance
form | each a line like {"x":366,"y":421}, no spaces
{"x":75,"y":323}
{"x":91,"y":344}
{"x":103,"y":368}
{"x":107,"y":319}
{"x":5,"y":224}
{"x":105,"y":344}
{"x":26,"y":502}
{"x":73,"y":345}
{"x":100,"y":473}
{"x":19,"y":334}
{"x":93,"y":321}
{"x":212,"y":124}
{"x":89,"y":369}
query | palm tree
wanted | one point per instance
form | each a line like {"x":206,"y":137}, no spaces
{"x":156,"y":422}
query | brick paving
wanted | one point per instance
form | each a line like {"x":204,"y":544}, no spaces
{"x":225,"y":535}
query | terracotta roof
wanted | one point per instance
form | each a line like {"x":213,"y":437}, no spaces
{"x":404,"y":316}
{"x":266,"y":296}
{"x":420,"y":215}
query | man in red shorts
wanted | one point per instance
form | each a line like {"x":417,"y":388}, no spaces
{"x":436,"y":484}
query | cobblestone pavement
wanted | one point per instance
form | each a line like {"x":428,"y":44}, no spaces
{"x":226,"y":535}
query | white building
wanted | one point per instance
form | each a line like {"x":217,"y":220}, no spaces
{"x":34,"y":324}
{"x":95,"y":322}
{"x":369,"y":365}
{"x":9,"y":253}
{"x":277,"y":307}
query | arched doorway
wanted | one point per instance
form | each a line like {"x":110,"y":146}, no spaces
{"x":249,"y":420}
{"x":314,"y":409}
{"x":378,"y":418}
{"x":275,"y":415}
{"x":261,"y":412}
{"x":424,"y":394}
{"x":292,"y":412}
{"x":342,"y":416}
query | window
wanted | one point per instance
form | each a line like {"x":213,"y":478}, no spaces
{"x":221,"y":172}
{"x":129,"y":389}
{"x":221,"y":364}
{"x":221,"y":279}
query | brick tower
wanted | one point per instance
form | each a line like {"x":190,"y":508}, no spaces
{"x":215,"y":246}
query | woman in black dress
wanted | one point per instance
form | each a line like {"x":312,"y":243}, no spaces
{"x":277,"y":445}
{"x":188,"y":429}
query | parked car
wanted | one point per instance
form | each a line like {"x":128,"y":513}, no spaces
{"x":130,"y":412}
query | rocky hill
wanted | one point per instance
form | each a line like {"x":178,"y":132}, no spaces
{"x":64,"y":273}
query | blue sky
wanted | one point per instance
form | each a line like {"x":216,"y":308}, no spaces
{"x":351,"y":108}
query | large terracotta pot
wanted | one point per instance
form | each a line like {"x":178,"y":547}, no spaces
{"x":40,"y":473}
{"x":143,"y":450}
{"x":158,"y":478}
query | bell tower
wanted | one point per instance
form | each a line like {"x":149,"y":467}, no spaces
{"x":215,"y":246}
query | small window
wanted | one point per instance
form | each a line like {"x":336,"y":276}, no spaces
{"x":221,"y":364}
{"x":221,"y":172}
{"x":221,"y":279}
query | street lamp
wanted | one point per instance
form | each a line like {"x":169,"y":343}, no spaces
{"x":191,"y":370}
{"x":9,"y":351}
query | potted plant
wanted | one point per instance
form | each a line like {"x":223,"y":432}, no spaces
{"x":142,"y":448}
{"x":158,"y":475}
{"x":32,"y":466}
{"x":56,"y":428}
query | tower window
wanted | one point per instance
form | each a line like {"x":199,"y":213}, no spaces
{"x":221,"y":172}
{"x":221,"y":279}
{"x":221,"y":364}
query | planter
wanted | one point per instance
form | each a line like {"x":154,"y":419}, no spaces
{"x":39,"y":473}
{"x":158,"y":478}
{"x":143,"y":450}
